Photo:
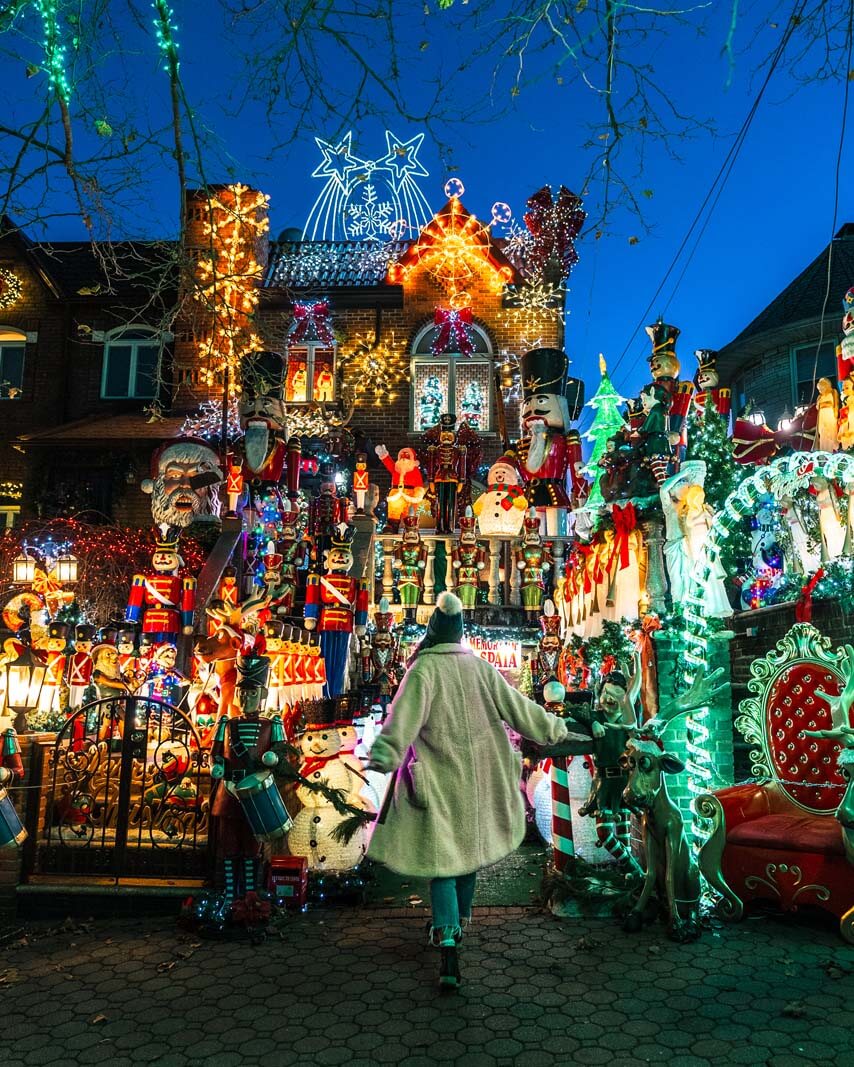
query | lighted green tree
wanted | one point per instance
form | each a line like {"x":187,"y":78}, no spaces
{"x":607,"y":420}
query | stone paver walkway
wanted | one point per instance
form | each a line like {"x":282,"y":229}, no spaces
{"x":357,"y":988}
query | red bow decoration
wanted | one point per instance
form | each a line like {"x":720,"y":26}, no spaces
{"x":251,"y":910}
{"x":314,"y":317}
{"x":609,"y":663}
{"x":625,"y":520}
{"x":453,"y":331}
{"x":554,"y":225}
{"x":803,"y":608}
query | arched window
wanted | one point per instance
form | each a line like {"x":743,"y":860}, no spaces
{"x":13,"y":344}
{"x":452,"y":382}
{"x":311,"y":372}
{"x":131,"y":361}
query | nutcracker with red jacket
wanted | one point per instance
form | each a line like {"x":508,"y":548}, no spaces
{"x":227,"y":590}
{"x":672,"y":395}
{"x":708,"y":387}
{"x":381,"y":665}
{"x":325,"y":512}
{"x":549,"y":452}
{"x":234,"y":483}
{"x":126,"y":648}
{"x":452,"y":458}
{"x":247,"y":803}
{"x":361,"y":480}
{"x":468,"y":561}
{"x":12,"y":831}
{"x":294,"y":551}
{"x":534,"y":562}
{"x":408,"y":563}
{"x":336,"y":605}
{"x":407,"y":483}
{"x":270,"y":457}
{"x":161,"y":600}
{"x":79,"y":665}
{"x":56,"y":659}
{"x":549,"y":650}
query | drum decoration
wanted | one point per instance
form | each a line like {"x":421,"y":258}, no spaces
{"x":263,"y":806}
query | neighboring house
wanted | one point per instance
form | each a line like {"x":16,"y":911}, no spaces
{"x":775,"y":362}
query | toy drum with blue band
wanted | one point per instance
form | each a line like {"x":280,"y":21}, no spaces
{"x":263,"y":806}
{"x":12,"y":830}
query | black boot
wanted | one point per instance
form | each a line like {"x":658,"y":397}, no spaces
{"x":449,"y":969}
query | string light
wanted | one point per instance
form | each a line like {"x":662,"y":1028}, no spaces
{"x":535,"y":306}
{"x":54,"y":50}
{"x":206,"y":423}
{"x":165,"y":28}
{"x":375,"y":370}
{"x":10,"y":288}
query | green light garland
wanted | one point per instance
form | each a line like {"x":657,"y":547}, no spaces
{"x":54,"y":50}
{"x":165,"y":29}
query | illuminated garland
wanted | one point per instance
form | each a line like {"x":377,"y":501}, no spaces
{"x":164,"y":28}
{"x":10,"y":288}
{"x":206,"y":423}
{"x":54,"y":50}
{"x":229,"y":276}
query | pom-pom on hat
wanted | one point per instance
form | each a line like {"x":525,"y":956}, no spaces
{"x":446,"y":623}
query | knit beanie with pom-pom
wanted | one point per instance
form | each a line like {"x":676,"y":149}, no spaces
{"x":446,"y":623}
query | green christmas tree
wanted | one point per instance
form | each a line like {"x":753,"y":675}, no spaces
{"x":430,"y":403}
{"x":472,"y":405}
{"x":607,"y":420}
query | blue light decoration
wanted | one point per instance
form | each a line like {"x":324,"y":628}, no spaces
{"x":373,"y":200}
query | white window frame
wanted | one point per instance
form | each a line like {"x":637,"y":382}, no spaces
{"x":451,"y":359}
{"x":12,"y":337}
{"x":134,"y":343}
{"x":808,"y":346}
{"x":310,"y":347}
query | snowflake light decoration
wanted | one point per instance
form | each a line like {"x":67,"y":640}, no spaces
{"x":534,"y":305}
{"x":10,"y":287}
{"x":374,"y":370}
{"x":369,"y":218}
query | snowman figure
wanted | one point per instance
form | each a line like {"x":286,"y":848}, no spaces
{"x":501,"y":509}
{"x":325,"y":760}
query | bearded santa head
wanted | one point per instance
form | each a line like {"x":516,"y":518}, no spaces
{"x":183,"y":483}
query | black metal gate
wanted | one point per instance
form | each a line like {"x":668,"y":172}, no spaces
{"x":125,"y":794}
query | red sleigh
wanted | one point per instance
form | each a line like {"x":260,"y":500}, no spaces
{"x":779,"y":839}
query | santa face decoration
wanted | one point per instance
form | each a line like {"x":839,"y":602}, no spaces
{"x":182,"y":485}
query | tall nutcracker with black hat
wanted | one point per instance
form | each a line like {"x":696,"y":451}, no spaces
{"x":335,"y":605}
{"x":549,"y":451}
{"x":161,"y":600}
{"x":380,"y":658}
{"x":534,"y":561}
{"x":452,"y":457}
{"x":408,"y":563}
{"x":247,"y":801}
{"x":708,"y":387}
{"x":271,"y":458}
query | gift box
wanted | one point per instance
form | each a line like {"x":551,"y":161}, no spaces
{"x":287,"y":880}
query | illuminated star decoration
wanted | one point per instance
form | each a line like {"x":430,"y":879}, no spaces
{"x":371,"y":200}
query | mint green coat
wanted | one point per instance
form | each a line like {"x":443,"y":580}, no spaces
{"x":457,"y":803}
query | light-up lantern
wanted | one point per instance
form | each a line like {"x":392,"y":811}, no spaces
{"x":786,"y":422}
{"x":24,"y":679}
{"x":757,"y":418}
{"x":65,"y":570}
{"x":23,"y":569}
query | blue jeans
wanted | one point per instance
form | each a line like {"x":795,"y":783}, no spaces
{"x":451,"y":900}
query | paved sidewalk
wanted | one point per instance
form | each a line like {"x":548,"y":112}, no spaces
{"x":357,"y":988}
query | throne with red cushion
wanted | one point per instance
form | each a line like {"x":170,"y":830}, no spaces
{"x":778,"y":838}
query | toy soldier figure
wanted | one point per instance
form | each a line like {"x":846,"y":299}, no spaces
{"x":325,"y":512}
{"x":233,"y":483}
{"x":360,"y":482}
{"x":274,"y":641}
{"x":162,"y":601}
{"x":664,"y":367}
{"x":409,"y":561}
{"x":126,"y":648}
{"x":549,"y":451}
{"x":469,"y":559}
{"x":80,"y":664}
{"x":380,"y":664}
{"x":335,"y":605}
{"x":707,"y":381}
{"x":294,"y":552}
{"x":548,"y":654}
{"x":533,"y":560}
{"x":243,"y":745}
{"x":447,"y":470}
{"x":55,"y":659}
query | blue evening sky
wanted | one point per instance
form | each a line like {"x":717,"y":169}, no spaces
{"x":774,"y":216}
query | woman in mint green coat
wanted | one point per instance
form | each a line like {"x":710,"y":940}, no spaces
{"x":457,"y":804}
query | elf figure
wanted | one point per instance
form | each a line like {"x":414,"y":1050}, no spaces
{"x":163,"y":601}
{"x":55,"y":655}
{"x":242,"y":746}
{"x":468,"y":559}
{"x":79,"y":665}
{"x":549,"y":452}
{"x":380,"y":665}
{"x":447,"y":469}
{"x":407,"y":483}
{"x":533,"y":560}
{"x":360,"y":482}
{"x":408,"y":562}
{"x":335,"y":605}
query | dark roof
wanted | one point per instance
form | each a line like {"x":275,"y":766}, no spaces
{"x":803,"y":299}
{"x":100,"y":429}
{"x":115,"y":269}
{"x":330,"y":264}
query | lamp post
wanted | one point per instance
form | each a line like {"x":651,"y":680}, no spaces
{"x":24,"y":678}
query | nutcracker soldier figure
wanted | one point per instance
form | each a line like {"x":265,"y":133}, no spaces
{"x":707,"y":383}
{"x":294,"y":553}
{"x":269,"y":455}
{"x":126,"y":648}
{"x":548,"y":653}
{"x":275,"y":589}
{"x":325,"y":512}
{"x":80,"y":664}
{"x":56,"y":658}
{"x":468,"y":559}
{"x":233,"y":483}
{"x":243,"y":746}
{"x":448,"y":467}
{"x":360,"y":482}
{"x":335,"y":605}
{"x":380,"y":658}
{"x":532,"y":559}
{"x":672,"y":396}
{"x":163,"y":601}
{"x":409,"y":561}
{"x":227,"y":591}
{"x":274,"y":649}
{"x":549,"y":451}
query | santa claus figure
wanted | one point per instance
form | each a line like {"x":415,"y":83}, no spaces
{"x":407,"y":483}
{"x":162,"y":601}
{"x":549,"y":451}
{"x":183,"y":483}
{"x":501,"y":509}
